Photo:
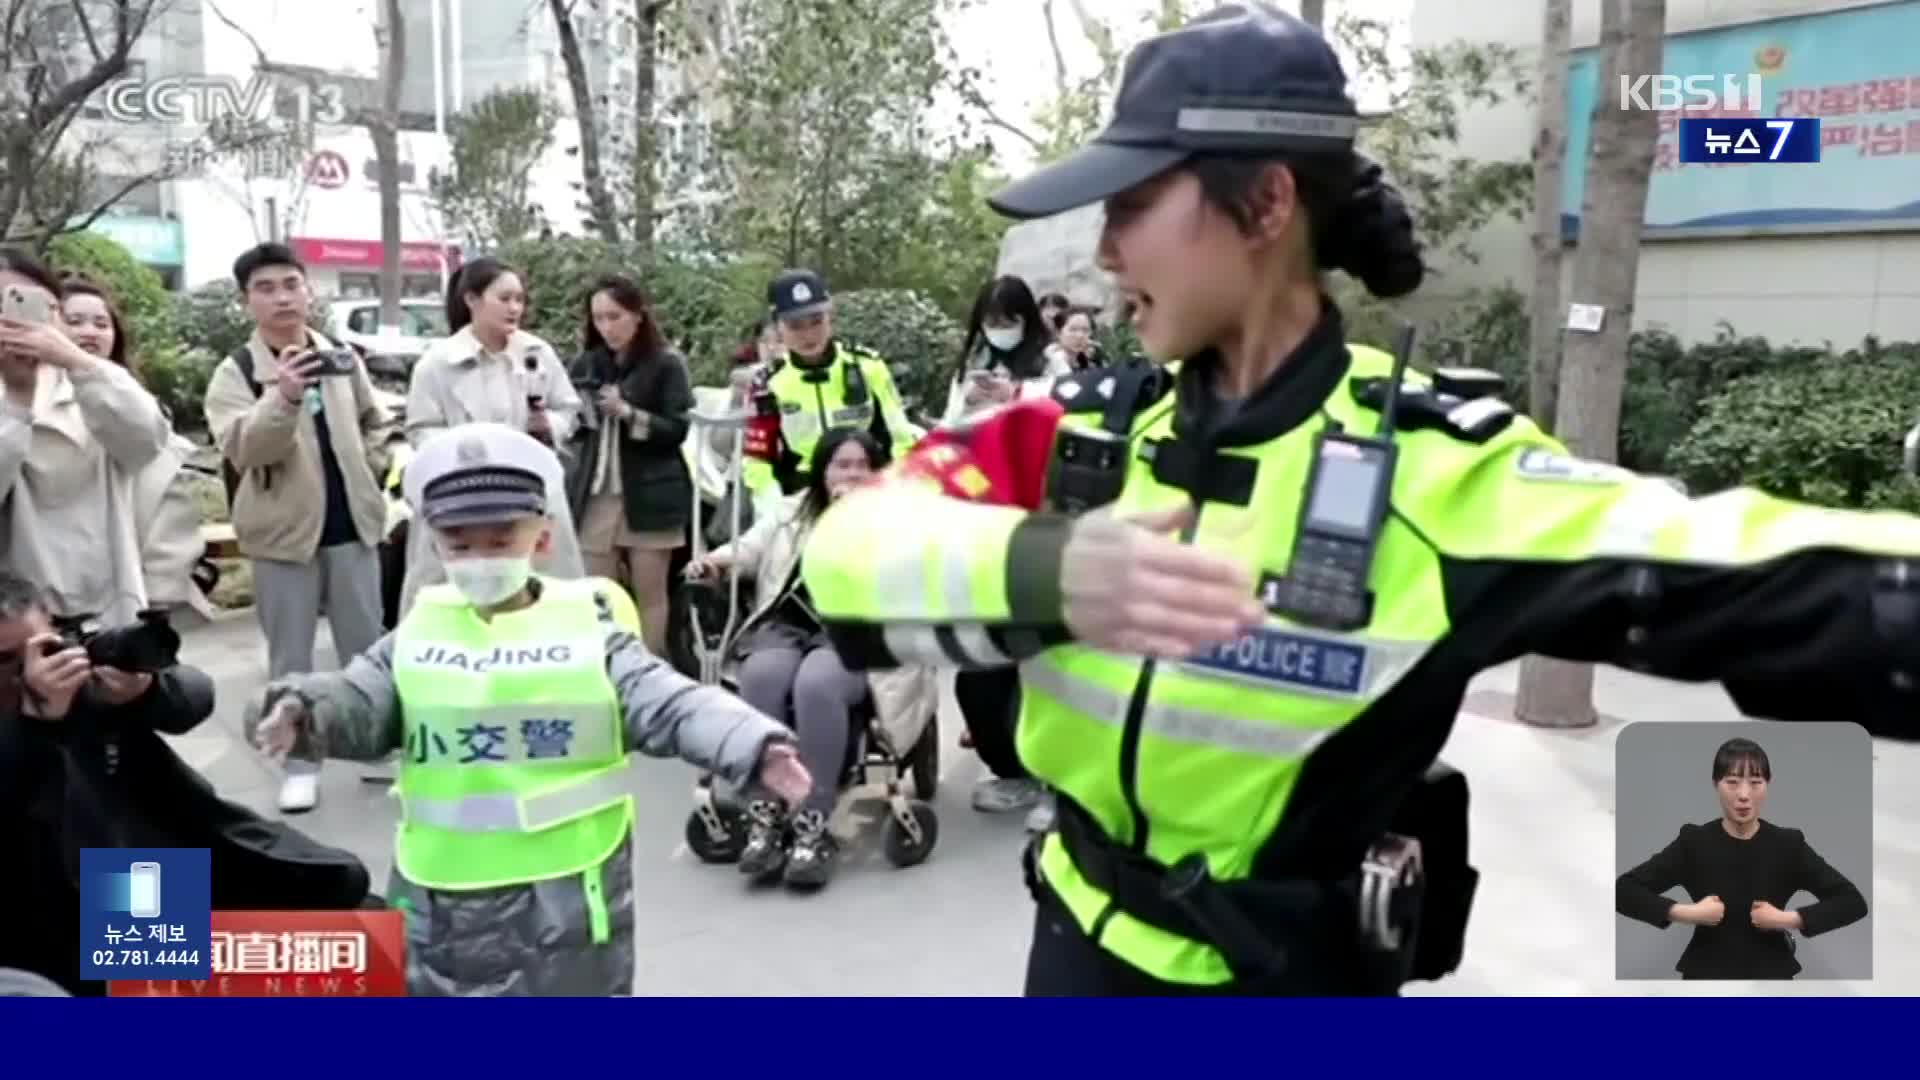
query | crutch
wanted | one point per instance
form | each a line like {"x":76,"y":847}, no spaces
{"x":734,"y":422}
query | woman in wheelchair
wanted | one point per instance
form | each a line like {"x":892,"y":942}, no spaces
{"x":789,"y":670}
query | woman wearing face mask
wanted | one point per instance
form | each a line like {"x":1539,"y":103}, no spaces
{"x":1004,"y":355}
{"x":522,"y":696}
{"x":75,"y":429}
{"x":167,"y":517}
{"x":489,"y":370}
{"x":790,"y":671}
{"x":631,"y":488}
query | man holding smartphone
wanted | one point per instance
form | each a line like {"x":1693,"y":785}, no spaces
{"x":297,"y":419}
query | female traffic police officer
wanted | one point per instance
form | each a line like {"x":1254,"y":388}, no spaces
{"x":824,"y":384}
{"x":1231,"y":720}
{"x":516,"y":699}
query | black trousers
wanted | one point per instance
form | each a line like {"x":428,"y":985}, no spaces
{"x":1064,"y":962}
{"x":990,"y":703}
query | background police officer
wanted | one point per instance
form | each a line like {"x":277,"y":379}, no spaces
{"x":824,"y":384}
{"x":1235,"y":676}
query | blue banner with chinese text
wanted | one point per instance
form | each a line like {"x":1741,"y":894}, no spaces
{"x":1858,"y":71}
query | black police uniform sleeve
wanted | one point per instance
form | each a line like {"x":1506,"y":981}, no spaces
{"x":1802,"y":613}
{"x":1837,"y":901}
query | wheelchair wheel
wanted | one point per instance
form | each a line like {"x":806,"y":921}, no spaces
{"x":923,"y":763}
{"x":722,"y":849}
{"x":900,"y":846}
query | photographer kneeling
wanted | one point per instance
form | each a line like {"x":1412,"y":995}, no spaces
{"x":82,"y":764}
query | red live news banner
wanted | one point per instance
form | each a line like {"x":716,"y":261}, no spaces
{"x":294,"y":954}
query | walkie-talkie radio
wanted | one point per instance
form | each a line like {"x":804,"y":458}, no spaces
{"x":1340,"y":519}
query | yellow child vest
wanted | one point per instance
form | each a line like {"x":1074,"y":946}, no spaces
{"x":1222,"y":735}
{"x":515,"y":753}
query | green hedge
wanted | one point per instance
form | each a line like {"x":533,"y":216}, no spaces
{"x":1802,"y":422}
{"x":145,"y":305}
{"x":908,"y":330}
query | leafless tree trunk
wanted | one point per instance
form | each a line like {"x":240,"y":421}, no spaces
{"x":1606,"y":265}
{"x":385,"y":132}
{"x":599,"y":196}
{"x":1549,"y":177}
{"x":1314,"y":12}
{"x":646,"y":140}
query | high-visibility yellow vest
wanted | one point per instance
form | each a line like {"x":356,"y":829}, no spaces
{"x":815,"y":401}
{"x":1172,"y":758}
{"x":515,"y":762}
{"x":1221,"y":735}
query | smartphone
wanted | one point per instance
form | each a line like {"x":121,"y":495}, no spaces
{"x":336,"y":361}
{"x":22,"y":304}
{"x":143,"y":895}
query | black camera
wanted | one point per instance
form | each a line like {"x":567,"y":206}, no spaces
{"x":146,"y":646}
{"x":336,"y":361}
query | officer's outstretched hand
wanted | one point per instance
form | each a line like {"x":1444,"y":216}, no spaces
{"x":1131,"y":586}
{"x":781,"y":773}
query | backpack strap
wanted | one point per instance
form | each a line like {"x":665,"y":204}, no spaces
{"x":243,"y":359}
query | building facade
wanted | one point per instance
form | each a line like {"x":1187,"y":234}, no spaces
{"x":1796,"y":253}
{"x":318,"y":191}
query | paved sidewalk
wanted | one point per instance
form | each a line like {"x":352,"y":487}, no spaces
{"x":1542,"y":837}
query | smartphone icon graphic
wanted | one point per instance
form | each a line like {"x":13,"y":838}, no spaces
{"x":143,"y":900}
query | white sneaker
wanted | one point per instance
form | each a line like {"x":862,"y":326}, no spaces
{"x":299,"y":792}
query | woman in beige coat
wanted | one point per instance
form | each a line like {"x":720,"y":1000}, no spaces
{"x":166,"y":515}
{"x":75,"y":429}
{"x":790,"y":672}
{"x":489,"y":371}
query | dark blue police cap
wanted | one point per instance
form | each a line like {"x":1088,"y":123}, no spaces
{"x":797,"y":293}
{"x":1242,"y":79}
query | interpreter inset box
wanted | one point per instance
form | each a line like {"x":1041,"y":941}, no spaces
{"x":1743,"y":851}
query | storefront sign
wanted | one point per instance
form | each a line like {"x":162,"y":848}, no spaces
{"x":365,"y":254}
{"x":207,"y":99}
{"x":150,"y":240}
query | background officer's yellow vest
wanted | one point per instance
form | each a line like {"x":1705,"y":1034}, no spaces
{"x":1222,"y":734}
{"x":515,"y":759}
{"x":808,"y":410}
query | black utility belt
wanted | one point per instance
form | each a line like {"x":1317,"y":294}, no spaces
{"x":1372,"y":917}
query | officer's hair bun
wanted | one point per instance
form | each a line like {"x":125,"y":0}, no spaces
{"x":1370,"y":235}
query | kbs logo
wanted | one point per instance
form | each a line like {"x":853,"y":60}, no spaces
{"x":294,"y":954}
{"x":1734,"y":94}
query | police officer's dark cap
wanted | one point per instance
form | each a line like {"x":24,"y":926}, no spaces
{"x":795,"y":294}
{"x":1242,"y":79}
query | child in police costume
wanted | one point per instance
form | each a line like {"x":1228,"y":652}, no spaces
{"x":515,"y":700}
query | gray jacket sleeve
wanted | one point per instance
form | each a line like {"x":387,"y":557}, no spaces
{"x":670,"y":715}
{"x":356,"y":712}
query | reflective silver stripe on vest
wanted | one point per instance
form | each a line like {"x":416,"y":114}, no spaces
{"x":519,"y":813}
{"x":510,"y":734}
{"x":1267,"y":738}
{"x":900,"y":579}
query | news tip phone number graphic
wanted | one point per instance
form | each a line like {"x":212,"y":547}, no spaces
{"x":1779,"y":140}
{"x":143,"y":958}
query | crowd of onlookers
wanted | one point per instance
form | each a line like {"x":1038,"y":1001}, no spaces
{"x":102,"y":520}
